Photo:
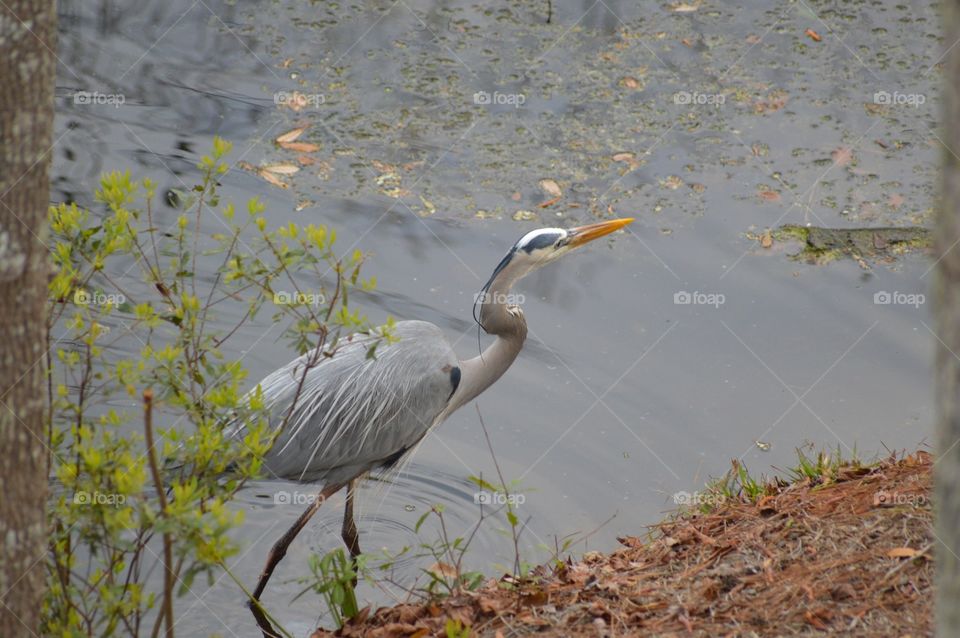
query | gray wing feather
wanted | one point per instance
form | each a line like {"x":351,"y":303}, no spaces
{"x":355,"y":413}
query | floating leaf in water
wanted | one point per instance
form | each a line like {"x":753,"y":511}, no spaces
{"x":281,"y":169}
{"x":292,"y":135}
{"x":525,"y":216}
{"x":300,"y":147}
{"x":813,"y":35}
{"x":302,"y":204}
{"x":628,"y":158}
{"x":672,"y":182}
{"x":265,"y":174}
{"x":766,"y":240}
{"x":630,"y":82}
{"x":428,"y":207}
{"x":550,"y":187}
{"x":683,"y":7}
{"x":763,"y":445}
{"x":769,"y":196}
{"x":276,"y":181}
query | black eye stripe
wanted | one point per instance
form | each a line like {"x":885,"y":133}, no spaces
{"x":544,"y":240}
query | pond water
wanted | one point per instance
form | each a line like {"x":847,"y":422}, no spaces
{"x":436,"y":123}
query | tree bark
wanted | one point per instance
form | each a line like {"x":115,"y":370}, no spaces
{"x":946,"y":296}
{"x":27,"y":70}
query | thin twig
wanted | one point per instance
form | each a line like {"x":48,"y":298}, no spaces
{"x":168,"y":575}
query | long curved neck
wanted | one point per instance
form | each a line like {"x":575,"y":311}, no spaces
{"x":508,"y":324}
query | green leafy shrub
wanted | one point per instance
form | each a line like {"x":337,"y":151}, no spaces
{"x":148,"y":347}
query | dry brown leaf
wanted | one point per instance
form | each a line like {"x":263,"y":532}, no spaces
{"x":273,"y":179}
{"x":550,"y":187}
{"x":281,"y":169}
{"x":300,"y":147}
{"x":903,"y":552}
{"x":769,"y":196}
{"x":813,"y":35}
{"x":766,"y":239}
{"x":306,"y":160}
{"x":291,"y":135}
{"x":630,"y":82}
{"x":443,"y":570}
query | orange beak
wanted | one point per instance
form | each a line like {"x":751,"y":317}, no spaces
{"x":583,"y":234}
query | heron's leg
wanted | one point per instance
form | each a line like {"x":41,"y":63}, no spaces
{"x":279,"y":549}
{"x":349,"y":529}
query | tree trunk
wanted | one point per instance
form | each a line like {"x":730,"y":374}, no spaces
{"x":947,"y":308}
{"x":27,"y":69}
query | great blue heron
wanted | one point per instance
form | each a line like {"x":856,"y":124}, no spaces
{"x":354,"y":413}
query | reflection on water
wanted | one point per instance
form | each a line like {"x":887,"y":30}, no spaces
{"x":624,"y":393}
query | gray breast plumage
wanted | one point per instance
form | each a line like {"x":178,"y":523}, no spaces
{"x":356,"y":413}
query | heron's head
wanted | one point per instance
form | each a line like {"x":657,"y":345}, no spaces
{"x":541,"y":247}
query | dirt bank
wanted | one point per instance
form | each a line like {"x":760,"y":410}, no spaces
{"x":846,"y":552}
